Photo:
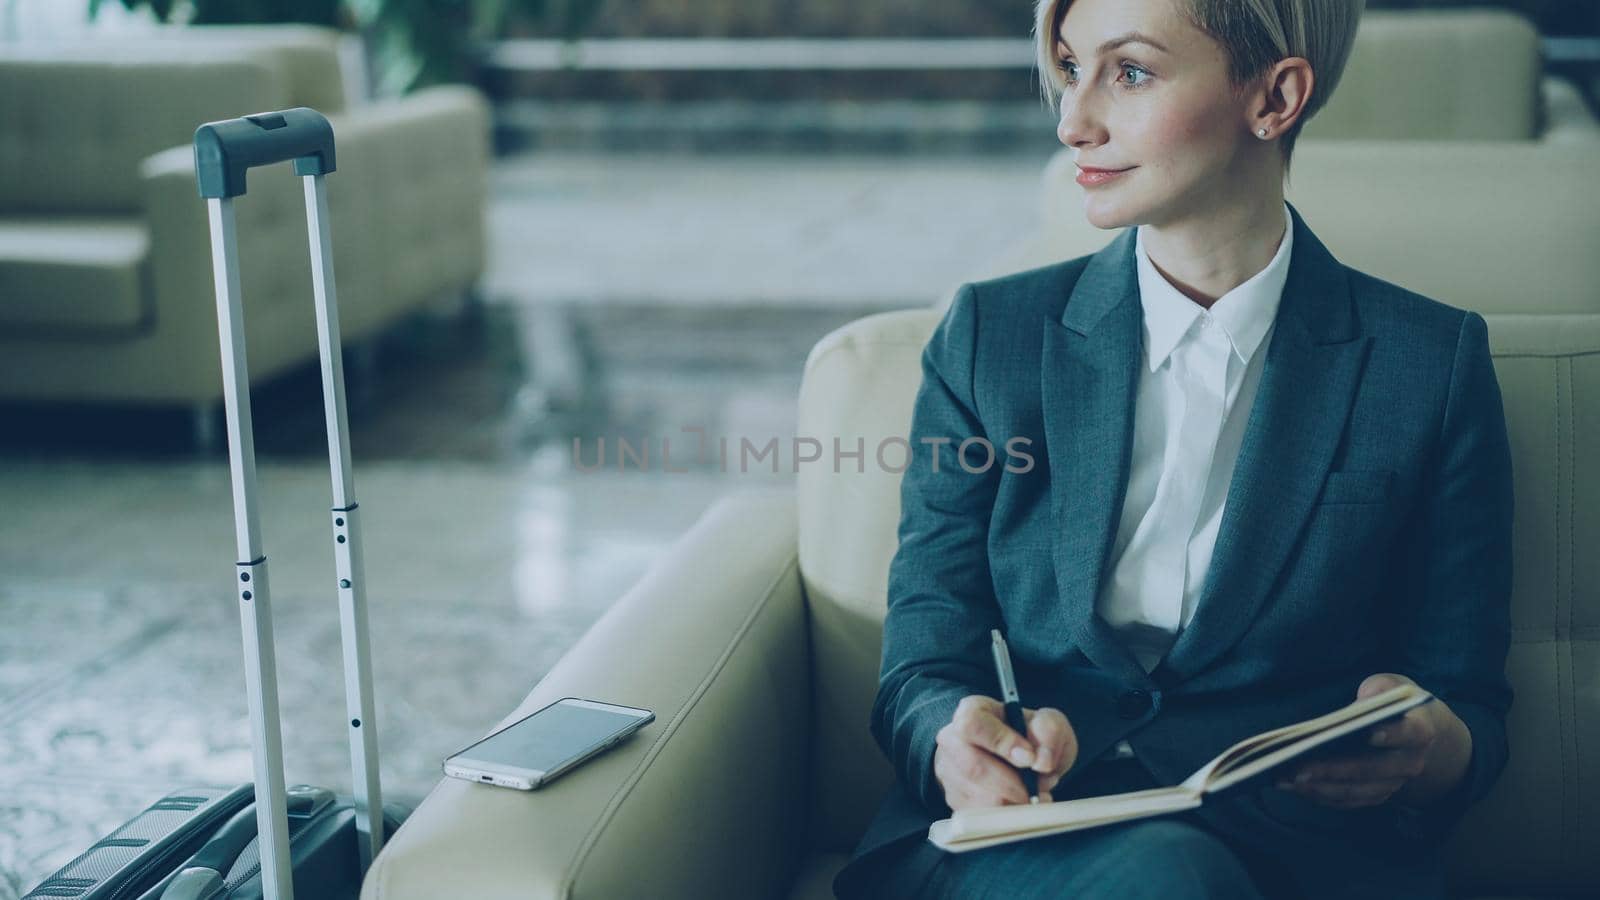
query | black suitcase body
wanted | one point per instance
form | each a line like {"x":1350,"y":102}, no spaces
{"x":149,"y":848}
{"x":324,"y":855}
{"x":215,"y":828}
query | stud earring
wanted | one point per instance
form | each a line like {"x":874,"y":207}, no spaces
{"x":1262,"y":132}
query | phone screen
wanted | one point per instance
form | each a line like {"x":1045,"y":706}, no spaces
{"x":549,"y":737}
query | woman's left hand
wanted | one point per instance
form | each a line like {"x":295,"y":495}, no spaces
{"x":1401,"y":754}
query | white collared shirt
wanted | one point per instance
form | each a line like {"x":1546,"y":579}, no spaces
{"x":1195,"y":392}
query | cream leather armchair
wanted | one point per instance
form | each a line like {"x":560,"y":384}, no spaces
{"x":106,"y":291}
{"x":756,"y":642}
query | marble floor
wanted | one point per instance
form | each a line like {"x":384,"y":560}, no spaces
{"x":487,"y":555}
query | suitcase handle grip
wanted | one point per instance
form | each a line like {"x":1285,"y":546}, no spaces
{"x":225,"y":150}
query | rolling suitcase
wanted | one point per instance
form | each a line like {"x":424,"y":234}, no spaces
{"x":261,"y":840}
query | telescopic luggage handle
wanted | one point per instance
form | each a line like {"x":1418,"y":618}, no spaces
{"x":224,"y":151}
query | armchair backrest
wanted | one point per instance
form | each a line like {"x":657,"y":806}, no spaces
{"x":1458,"y":74}
{"x":1531,"y":832}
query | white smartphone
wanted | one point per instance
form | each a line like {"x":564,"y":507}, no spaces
{"x":536,"y":749}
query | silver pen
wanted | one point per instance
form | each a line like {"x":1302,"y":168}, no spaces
{"x":1008,"y":695}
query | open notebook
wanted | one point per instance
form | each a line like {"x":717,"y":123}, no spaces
{"x":972,"y":829}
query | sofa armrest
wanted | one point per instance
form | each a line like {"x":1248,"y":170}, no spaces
{"x":1567,"y":116}
{"x":706,"y":800}
{"x":425,"y":157}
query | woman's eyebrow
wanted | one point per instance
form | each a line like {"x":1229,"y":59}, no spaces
{"x":1132,"y":37}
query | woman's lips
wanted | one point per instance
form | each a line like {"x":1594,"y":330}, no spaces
{"x":1092,"y":177}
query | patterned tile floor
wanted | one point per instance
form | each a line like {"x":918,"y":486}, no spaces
{"x":121,"y":674}
{"x":138,"y":681}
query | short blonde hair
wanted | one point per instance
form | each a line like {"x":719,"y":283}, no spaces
{"x":1254,"y":33}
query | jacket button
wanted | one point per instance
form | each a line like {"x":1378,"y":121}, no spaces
{"x":1133,"y":704}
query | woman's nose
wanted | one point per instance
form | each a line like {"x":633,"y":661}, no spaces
{"x":1079,"y":123}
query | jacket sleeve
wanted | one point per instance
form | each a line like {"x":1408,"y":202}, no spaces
{"x":1457,"y":591}
{"x":941,"y":601}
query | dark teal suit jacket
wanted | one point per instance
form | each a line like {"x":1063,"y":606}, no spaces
{"x":1367,"y":529}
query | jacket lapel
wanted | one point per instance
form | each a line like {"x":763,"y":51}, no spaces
{"x":1090,"y":372}
{"x":1313,"y":369}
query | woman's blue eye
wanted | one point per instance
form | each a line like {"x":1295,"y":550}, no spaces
{"x":1068,"y":68}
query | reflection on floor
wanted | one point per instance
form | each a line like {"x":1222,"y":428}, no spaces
{"x":488,"y":554}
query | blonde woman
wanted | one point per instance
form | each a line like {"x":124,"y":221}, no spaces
{"x":1262,"y":485}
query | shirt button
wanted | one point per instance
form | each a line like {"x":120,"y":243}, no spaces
{"x":1133,"y":704}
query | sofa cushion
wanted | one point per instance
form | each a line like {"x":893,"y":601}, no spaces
{"x":73,"y":275}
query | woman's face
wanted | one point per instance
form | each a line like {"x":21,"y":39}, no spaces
{"x":1158,"y":106}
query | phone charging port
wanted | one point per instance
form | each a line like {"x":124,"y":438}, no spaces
{"x":485,"y":778}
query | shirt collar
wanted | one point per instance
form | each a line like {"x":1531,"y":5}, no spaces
{"x":1245,"y":313}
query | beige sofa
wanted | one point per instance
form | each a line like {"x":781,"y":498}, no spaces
{"x":106,"y":291}
{"x":757,"y":639}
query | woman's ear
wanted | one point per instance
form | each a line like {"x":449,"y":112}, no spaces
{"x":1285,"y":90}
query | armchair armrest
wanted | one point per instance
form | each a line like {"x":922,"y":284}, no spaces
{"x":707,"y":800}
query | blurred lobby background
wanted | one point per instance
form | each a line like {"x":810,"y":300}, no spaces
{"x":555,"y":223}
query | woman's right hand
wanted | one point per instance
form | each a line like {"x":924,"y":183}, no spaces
{"x":972,"y":753}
